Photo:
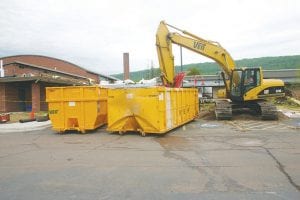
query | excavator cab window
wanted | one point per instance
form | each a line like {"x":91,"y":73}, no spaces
{"x":251,"y":79}
{"x":243,"y":80}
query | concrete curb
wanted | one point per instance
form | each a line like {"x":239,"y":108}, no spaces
{"x":24,"y":127}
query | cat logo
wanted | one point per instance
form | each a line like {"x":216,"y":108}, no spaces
{"x":198,"y":45}
{"x":52,"y":112}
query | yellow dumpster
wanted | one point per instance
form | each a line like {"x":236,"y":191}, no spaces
{"x":150,"y":110}
{"x":78,"y":108}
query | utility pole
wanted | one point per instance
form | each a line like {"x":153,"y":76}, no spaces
{"x":152,"y":70}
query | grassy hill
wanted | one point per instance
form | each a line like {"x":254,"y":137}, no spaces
{"x":209,"y":68}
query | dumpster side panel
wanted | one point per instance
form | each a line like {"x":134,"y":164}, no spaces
{"x":56,"y":108}
{"x":133,"y":109}
{"x":101,"y":107}
{"x":77,"y":108}
{"x":56,"y":115}
{"x":150,"y":110}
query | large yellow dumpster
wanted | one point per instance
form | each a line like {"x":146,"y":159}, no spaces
{"x":151,"y":110}
{"x":78,"y":108}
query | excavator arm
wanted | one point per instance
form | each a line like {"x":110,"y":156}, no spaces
{"x":213,"y":50}
{"x":165,"y":55}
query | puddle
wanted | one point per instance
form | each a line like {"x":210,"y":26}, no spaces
{"x":209,"y":125}
{"x":294,"y":123}
{"x":247,"y":142}
{"x":173,"y":142}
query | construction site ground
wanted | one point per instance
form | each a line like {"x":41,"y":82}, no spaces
{"x":245,"y":158}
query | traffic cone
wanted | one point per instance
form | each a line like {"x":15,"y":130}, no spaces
{"x":31,"y":114}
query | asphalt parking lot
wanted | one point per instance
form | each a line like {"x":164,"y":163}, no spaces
{"x":205,"y":159}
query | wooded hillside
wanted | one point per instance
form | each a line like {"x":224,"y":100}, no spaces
{"x":209,"y":68}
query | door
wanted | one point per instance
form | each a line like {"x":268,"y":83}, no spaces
{"x":236,"y":89}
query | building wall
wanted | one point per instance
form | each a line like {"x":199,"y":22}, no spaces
{"x":2,"y":97}
{"x":27,"y":71}
{"x":44,"y":105}
{"x":51,"y":63}
{"x":16,"y":70}
{"x":12,"y":102}
{"x":17,"y":97}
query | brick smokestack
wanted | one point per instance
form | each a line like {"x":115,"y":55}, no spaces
{"x":126,"y":65}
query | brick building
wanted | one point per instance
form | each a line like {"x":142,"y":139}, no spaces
{"x":22,"y":86}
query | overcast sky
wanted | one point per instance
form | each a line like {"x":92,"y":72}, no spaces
{"x":94,"y":34}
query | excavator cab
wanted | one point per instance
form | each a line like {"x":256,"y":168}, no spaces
{"x":242,"y":81}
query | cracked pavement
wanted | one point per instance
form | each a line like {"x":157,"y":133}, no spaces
{"x":205,"y":159}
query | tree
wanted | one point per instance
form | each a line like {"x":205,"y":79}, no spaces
{"x":193,"y":71}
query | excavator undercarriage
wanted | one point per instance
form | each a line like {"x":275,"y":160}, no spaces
{"x":224,"y":109}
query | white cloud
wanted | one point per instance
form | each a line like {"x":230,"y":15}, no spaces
{"x":94,"y":34}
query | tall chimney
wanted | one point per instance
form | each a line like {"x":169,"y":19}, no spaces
{"x":126,"y":65}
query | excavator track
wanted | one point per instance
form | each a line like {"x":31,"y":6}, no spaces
{"x":268,"y":110}
{"x":223,"y":110}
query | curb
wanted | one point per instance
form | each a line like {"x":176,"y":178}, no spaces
{"x":24,"y":127}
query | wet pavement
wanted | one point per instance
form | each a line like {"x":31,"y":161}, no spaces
{"x":205,"y":159}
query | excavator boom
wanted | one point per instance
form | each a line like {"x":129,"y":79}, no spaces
{"x":165,"y":38}
{"x":165,"y":55}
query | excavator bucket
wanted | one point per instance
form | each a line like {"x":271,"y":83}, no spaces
{"x":179,"y":79}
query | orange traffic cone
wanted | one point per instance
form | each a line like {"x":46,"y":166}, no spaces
{"x":31,"y":114}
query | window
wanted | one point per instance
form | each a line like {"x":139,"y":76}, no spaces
{"x":252,"y":78}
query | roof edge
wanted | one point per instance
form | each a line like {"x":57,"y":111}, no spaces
{"x":99,"y":74}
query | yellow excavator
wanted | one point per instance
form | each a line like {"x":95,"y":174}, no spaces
{"x":244,"y":87}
